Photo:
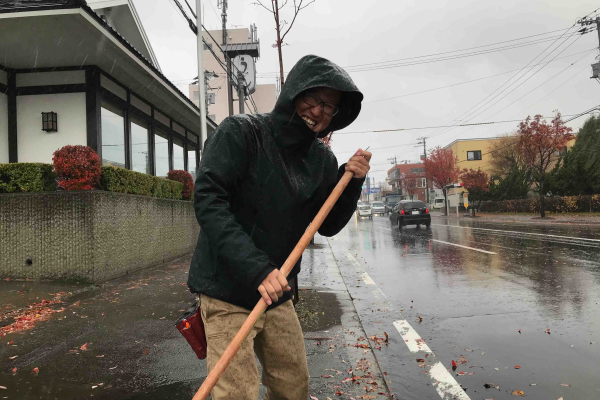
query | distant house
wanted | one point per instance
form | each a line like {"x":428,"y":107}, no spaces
{"x":396,"y":175}
{"x":90,"y":67}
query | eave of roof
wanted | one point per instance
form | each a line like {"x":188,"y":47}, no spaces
{"x":35,"y":5}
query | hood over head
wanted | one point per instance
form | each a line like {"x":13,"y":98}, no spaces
{"x":308,"y":73}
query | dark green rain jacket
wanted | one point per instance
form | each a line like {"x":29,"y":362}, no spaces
{"x":262,"y":180}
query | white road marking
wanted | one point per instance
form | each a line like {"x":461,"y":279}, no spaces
{"x":522,"y":233}
{"x":367,"y":279}
{"x":445,"y":384}
{"x":442,"y":380}
{"x":464,"y":247}
{"x":364,"y":275}
{"x":413,"y":341}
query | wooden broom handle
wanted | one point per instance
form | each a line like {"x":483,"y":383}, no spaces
{"x":261,"y":306}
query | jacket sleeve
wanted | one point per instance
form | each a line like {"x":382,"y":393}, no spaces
{"x":345,"y":206}
{"x":226,"y":159}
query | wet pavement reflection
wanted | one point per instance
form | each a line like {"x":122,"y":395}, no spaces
{"x":533,"y":304}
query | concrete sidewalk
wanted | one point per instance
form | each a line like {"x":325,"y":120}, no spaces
{"x":118,"y":340}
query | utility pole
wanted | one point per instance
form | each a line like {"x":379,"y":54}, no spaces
{"x":201,"y":97}
{"x":223,"y":5}
{"x":241,"y":88}
{"x":368,"y":187}
{"x":423,"y":141}
{"x":394,"y":161}
{"x":585,"y":22}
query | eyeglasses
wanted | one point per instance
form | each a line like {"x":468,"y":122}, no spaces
{"x":313,"y":100}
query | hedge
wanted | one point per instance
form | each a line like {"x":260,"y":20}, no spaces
{"x":554,"y":204}
{"x":122,"y":180}
{"x":27,"y":177}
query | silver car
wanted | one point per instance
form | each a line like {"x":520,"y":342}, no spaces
{"x":378,"y":207}
{"x":365,"y":210}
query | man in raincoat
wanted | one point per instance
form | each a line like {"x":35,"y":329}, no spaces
{"x":262,"y":180}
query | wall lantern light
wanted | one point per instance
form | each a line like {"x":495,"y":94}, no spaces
{"x":49,"y":122}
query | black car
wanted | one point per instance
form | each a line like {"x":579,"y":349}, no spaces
{"x":410,"y":212}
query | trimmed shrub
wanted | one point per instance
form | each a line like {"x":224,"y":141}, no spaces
{"x":167,"y":189}
{"x":27,"y":177}
{"x":186,"y":179}
{"x":77,"y":167}
{"x":122,"y":180}
{"x":554,"y":204}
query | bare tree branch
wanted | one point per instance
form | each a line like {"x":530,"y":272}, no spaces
{"x":296,"y":11}
{"x":283,"y":5}
{"x":259,"y":3}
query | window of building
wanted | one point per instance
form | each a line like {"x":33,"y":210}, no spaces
{"x":209,"y":46}
{"x":191,"y":161}
{"x":196,"y":95}
{"x":474,"y":155}
{"x":417,"y":170}
{"x":211,"y":98}
{"x":161,"y":153}
{"x":140,"y":146}
{"x":212,"y":117}
{"x":561,"y":152}
{"x":113,"y":135}
{"x":422,"y":182}
{"x":178,"y":162}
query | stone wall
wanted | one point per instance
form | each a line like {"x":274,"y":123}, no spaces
{"x":90,"y":235}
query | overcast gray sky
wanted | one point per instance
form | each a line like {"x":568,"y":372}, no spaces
{"x":379,"y":33}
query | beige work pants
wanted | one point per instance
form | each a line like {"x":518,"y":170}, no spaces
{"x":277,"y":341}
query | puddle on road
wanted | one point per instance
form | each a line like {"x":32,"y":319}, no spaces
{"x":318,"y":311}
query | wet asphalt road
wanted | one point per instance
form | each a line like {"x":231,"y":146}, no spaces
{"x":473,"y":300}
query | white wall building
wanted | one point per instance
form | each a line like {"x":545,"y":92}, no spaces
{"x":93,"y":66}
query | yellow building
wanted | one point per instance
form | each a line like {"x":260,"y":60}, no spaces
{"x":476,"y":154}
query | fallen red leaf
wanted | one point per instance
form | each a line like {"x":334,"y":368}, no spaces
{"x":517,"y":367}
{"x":11,"y":342}
{"x":453,"y":363}
{"x":35,"y":371}
{"x":145,"y":352}
{"x":84,"y":347}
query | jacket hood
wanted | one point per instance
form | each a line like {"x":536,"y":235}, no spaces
{"x":311,"y":72}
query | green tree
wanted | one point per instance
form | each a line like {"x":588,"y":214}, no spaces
{"x":579,"y":171}
{"x":513,"y":186}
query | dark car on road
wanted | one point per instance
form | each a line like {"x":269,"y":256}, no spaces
{"x":410,"y":212}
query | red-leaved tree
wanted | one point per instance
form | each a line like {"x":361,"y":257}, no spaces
{"x":477,"y":184}
{"x":409,"y":184}
{"x":77,"y":167}
{"x":327,"y":139}
{"x":538,"y":143}
{"x":186,"y":179}
{"x":441,"y":167}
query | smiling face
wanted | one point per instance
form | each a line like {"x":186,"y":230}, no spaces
{"x":313,"y":116}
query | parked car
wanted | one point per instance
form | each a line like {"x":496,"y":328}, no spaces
{"x":364,"y":210}
{"x":438,"y":203}
{"x":378,"y":207}
{"x":410,"y":212}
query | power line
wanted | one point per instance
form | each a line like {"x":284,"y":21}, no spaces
{"x":471,"y":81}
{"x":440,"y":126}
{"x":491,"y":96}
{"x":435,"y":54}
